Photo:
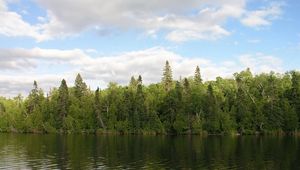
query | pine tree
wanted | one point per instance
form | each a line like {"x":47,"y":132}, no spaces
{"x":63,"y":102}
{"x":80,"y":87}
{"x":197,"y":76}
{"x":186,"y":85}
{"x":34,"y":99}
{"x":167,"y":79}
{"x":140,"y":116}
{"x":187,"y":104}
{"x":35,"y":88}
{"x":139,"y":80}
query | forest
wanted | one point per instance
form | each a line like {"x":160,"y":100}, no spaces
{"x":266,"y":103}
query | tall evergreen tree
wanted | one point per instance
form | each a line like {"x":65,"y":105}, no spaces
{"x":186,"y":85}
{"x":63,"y":103}
{"x":140,"y":80}
{"x":167,"y":79}
{"x":140,"y":110}
{"x":212,"y":109}
{"x":187,"y":103}
{"x":34,"y":99}
{"x":80,"y":87}
{"x":197,"y":76}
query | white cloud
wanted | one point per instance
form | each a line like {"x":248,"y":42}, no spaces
{"x":49,"y":66}
{"x":12,"y":24}
{"x":264,"y":16}
{"x":179,"y":20}
{"x":148,"y":63}
{"x":183,"y":20}
{"x":12,"y":85}
{"x":22,"y":59}
{"x":261,"y":63}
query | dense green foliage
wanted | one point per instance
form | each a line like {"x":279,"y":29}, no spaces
{"x":247,"y":104}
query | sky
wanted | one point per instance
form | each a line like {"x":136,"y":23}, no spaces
{"x":109,"y":41}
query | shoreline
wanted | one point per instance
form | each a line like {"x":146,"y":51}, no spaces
{"x":153,"y":133}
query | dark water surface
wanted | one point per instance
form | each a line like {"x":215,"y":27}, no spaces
{"x":28,"y":151}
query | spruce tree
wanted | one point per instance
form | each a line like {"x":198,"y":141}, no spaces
{"x":63,"y":102}
{"x":186,"y":85}
{"x":80,"y":86}
{"x":139,"y":80}
{"x":34,"y":99}
{"x":212,"y":108}
{"x":187,"y":103}
{"x":167,"y":79}
{"x":197,"y":76}
{"x":140,"y":116}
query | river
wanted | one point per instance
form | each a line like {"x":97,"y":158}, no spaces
{"x":79,"y":151}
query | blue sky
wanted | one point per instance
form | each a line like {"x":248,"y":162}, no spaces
{"x":47,"y":40}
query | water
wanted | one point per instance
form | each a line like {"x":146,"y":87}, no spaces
{"x":28,"y":151}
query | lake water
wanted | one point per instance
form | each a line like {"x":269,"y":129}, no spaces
{"x":28,"y":151}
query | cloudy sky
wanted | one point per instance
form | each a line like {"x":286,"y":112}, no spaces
{"x":47,"y":40}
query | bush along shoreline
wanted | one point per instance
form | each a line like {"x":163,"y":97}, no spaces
{"x":246,"y":104}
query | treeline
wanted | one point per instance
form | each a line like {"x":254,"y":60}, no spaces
{"x":247,"y":104}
